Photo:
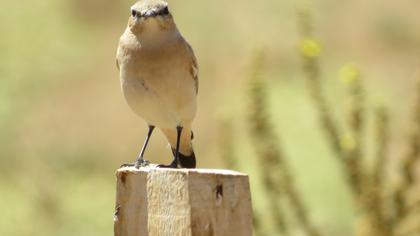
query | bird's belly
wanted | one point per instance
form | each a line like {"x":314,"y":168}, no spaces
{"x":165,"y":103}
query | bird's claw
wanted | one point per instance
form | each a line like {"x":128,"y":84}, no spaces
{"x":137,"y":165}
{"x":173,"y":165}
{"x":142,"y":163}
{"x":127,"y":165}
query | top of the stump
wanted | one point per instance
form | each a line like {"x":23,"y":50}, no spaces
{"x":152,"y":167}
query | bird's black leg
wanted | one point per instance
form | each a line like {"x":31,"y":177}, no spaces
{"x":175,"y":162}
{"x":140,"y":160}
{"x":178,"y":141}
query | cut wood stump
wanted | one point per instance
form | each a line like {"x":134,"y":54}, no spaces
{"x":192,"y":202}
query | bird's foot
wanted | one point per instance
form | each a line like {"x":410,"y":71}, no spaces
{"x":173,"y":165}
{"x":127,"y":165}
{"x":137,"y":165}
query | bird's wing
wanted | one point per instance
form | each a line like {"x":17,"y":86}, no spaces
{"x":193,"y":67}
{"x":118,"y":55}
{"x":117,"y":63}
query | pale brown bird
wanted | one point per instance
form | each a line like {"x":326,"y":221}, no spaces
{"x":159,"y":77}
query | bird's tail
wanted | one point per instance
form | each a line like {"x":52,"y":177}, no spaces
{"x":186,"y":153}
{"x":186,"y":161}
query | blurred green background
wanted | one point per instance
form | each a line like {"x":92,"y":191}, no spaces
{"x":65,"y":127}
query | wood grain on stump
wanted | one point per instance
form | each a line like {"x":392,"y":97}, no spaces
{"x":192,"y":202}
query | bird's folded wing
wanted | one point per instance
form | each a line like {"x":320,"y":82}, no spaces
{"x":193,"y":67}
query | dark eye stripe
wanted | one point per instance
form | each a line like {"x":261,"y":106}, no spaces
{"x":164,"y":11}
{"x":133,"y":13}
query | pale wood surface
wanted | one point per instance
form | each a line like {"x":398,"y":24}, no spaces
{"x":196,"y":202}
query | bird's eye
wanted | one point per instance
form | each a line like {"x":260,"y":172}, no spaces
{"x":133,"y":13}
{"x":165,"y":11}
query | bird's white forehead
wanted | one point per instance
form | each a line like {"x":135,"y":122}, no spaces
{"x":149,"y":5}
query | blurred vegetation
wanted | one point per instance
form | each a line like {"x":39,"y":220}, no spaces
{"x":65,"y":127}
{"x":377,"y":213}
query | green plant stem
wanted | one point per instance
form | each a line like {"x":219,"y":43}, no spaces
{"x":275,"y":171}
{"x":411,"y":157}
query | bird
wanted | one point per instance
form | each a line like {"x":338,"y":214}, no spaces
{"x":159,"y":78}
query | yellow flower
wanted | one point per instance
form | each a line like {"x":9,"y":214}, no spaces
{"x":310,"y":48}
{"x":349,"y":73}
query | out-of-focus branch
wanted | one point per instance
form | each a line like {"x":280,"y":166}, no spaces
{"x":411,"y":157}
{"x":353,"y":147}
{"x":267,"y":158}
{"x":375,"y":207}
{"x":276,"y":173}
{"x":369,"y":194}
{"x":379,"y":168}
{"x":311,"y":70}
{"x":349,"y":148}
{"x":381,"y":136}
{"x":309,"y":51}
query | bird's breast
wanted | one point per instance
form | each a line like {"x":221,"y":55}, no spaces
{"x":158,"y":86}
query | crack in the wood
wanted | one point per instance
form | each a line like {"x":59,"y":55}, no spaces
{"x":123,"y":177}
{"x":219,"y":191}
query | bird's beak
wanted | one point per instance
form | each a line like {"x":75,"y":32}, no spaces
{"x":149,"y":14}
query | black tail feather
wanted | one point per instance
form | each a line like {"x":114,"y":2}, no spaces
{"x":186,"y":161}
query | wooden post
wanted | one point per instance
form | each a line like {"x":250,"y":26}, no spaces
{"x":182,"y":202}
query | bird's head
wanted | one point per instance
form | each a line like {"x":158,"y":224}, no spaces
{"x":150,"y":16}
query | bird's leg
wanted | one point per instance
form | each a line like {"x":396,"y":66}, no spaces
{"x":175,"y":162}
{"x":140,"y":160}
{"x":178,"y":141}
